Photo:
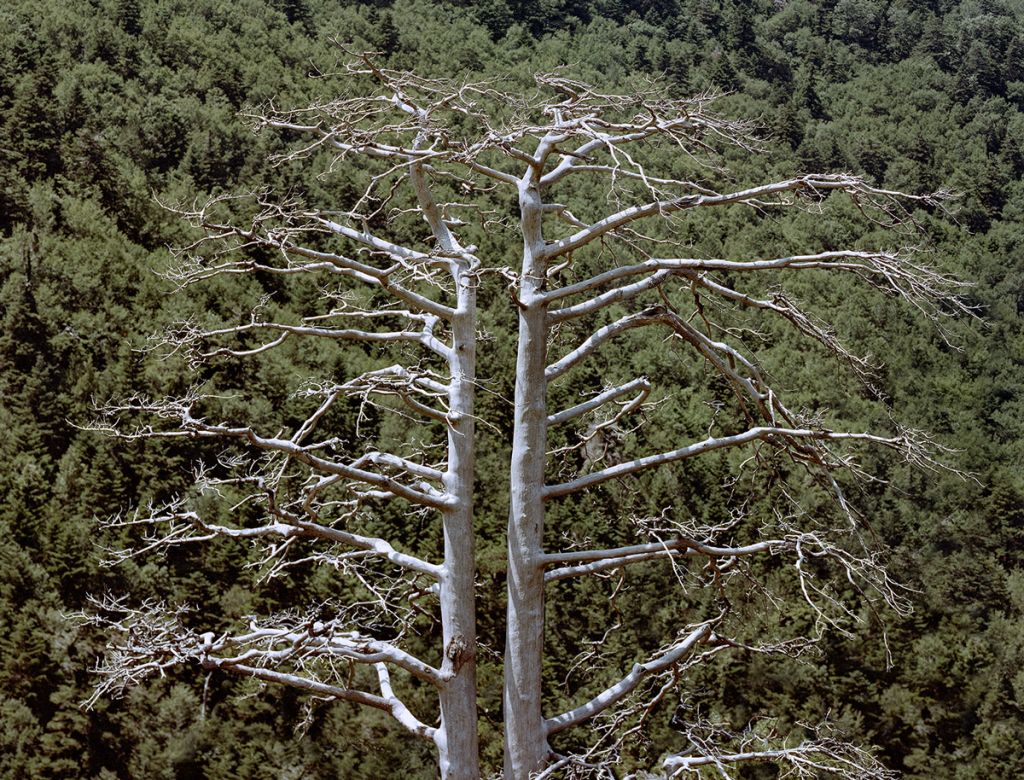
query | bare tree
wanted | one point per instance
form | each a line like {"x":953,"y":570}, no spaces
{"x":435,"y":152}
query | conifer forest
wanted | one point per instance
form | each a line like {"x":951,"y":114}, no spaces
{"x":511,"y":389}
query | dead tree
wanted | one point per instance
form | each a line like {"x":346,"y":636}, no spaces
{"x":434,"y":151}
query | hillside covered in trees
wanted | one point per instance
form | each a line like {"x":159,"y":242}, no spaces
{"x":111,"y":110}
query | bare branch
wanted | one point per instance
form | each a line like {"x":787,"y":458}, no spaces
{"x":347,"y":334}
{"x":404,"y":383}
{"x":300,"y":652}
{"x":892,"y":272}
{"x":596,"y":561}
{"x":599,"y":337}
{"x":910,"y":449}
{"x":674,"y":654}
{"x":397,"y":707}
{"x":277,"y":227}
{"x":811,"y":758}
{"x":387,"y":703}
{"x":641,"y":384}
{"x":275,"y":646}
{"x":619,"y":294}
{"x":178,"y":525}
{"x":189,"y":426}
{"x":752,"y":196}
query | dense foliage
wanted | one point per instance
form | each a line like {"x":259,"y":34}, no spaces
{"x":109,"y":108}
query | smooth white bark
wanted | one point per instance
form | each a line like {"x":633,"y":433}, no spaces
{"x":526,"y":747}
{"x":641,"y":385}
{"x":457,"y":737}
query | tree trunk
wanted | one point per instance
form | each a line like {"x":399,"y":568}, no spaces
{"x":457,"y":737}
{"x":526,"y":747}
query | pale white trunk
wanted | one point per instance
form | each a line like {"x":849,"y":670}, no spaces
{"x":456,"y":738}
{"x":526,"y":747}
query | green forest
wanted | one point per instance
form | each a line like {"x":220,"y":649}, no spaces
{"x":116,"y":115}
